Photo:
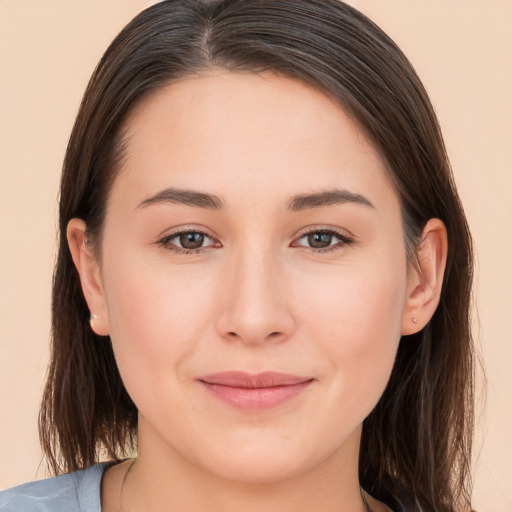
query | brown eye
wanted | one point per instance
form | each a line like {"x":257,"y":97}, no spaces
{"x":187,"y":241}
{"x":191,"y":240}
{"x":319,"y":240}
{"x":324,"y":240}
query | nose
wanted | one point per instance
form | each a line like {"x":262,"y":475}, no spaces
{"x":254,"y":300}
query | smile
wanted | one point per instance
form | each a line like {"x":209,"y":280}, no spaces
{"x":255,"y":392}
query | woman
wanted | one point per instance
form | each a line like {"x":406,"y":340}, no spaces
{"x":261,"y":297}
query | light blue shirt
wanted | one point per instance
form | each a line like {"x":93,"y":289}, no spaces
{"x":73,"y":492}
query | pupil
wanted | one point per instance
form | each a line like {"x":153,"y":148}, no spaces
{"x":319,"y":239}
{"x":191,"y":240}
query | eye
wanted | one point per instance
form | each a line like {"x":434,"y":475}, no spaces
{"x":321,"y":240}
{"x":192,"y":241}
{"x":187,"y":241}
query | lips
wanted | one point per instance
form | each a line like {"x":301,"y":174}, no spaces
{"x":255,"y":392}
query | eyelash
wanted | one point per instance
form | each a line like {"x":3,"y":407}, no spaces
{"x":344,"y":241}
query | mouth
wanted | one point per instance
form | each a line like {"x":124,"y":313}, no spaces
{"x":255,"y":392}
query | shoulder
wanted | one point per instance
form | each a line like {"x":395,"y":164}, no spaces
{"x":73,"y":492}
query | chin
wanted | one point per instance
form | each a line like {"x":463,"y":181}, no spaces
{"x":265,"y":470}
{"x":264,"y":462}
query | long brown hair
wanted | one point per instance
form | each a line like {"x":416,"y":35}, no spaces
{"x":416,"y":444}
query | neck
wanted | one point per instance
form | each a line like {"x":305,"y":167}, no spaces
{"x":162,"y":480}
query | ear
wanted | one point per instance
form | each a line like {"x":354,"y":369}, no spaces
{"x":90,"y":278}
{"x":425,"y":278}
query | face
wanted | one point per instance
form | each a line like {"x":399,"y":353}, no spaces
{"x":296,"y":266}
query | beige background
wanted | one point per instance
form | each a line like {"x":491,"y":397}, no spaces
{"x":462,"y":49}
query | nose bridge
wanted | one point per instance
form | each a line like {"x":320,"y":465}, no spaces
{"x":255,"y":305}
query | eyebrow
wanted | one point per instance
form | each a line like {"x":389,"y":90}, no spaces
{"x":185,"y":197}
{"x":326,"y":198}
{"x":297,"y":203}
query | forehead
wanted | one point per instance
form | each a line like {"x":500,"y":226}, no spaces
{"x":242,"y":133}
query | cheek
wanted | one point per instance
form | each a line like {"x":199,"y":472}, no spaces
{"x":360,"y":301}
{"x":156,"y":318}
{"x":356,"y":321}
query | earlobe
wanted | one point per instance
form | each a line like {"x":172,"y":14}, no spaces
{"x":90,"y":278}
{"x":425,"y":278}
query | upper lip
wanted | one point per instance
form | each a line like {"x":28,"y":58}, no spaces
{"x":239,"y":379}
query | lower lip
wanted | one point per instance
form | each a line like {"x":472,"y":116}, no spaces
{"x":256,"y":399}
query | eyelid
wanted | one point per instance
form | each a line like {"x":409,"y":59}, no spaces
{"x":325,"y":229}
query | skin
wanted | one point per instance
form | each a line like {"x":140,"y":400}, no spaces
{"x":258,"y":298}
